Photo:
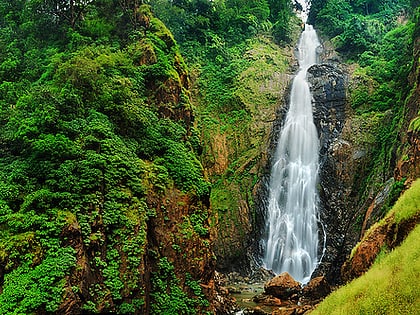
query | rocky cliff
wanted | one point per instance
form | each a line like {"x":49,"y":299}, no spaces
{"x":328,"y":87}
{"x":236,"y":148}
{"x":391,"y":231}
{"x":353,"y":196}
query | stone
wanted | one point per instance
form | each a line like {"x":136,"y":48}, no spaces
{"x":282,"y":286}
{"x":317,"y":288}
{"x":267,"y":300}
{"x":261,"y":275}
{"x":285,"y":311}
{"x":328,"y":84}
{"x":259,"y":311}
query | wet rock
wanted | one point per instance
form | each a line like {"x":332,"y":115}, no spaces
{"x":285,"y":311}
{"x":316,"y":289}
{"x":267,"y":300}
{"x":374,"y":212}
{"x":328,"y":84}
{"x":328,"y":88}
{"x":282,"y":286}
{"x":257,"y":311}
{"x":261,"y":275}
{"x":223,"y":302}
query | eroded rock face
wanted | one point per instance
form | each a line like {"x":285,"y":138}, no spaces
{"x":387,"y":235}
{"x":223,"y":302}
{"x":347,"y":143}
{"x":328,"y":87}
{"x":235,"y":157}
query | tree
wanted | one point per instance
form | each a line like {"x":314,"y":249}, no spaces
{"x":333,"y":16}
{"x":59,"y":11}
{"x":131,"y":8}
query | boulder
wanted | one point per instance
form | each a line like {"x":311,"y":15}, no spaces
{"x":293,"y":310}
{"x":285,"y":311}
{"x":282,"y":286}
{"x":317,"y":288}
{"x":258,"y":311}
{"x":267,"y":300}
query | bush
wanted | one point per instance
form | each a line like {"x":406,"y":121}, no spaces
{"x":26,"y":289}
{"x":168,"y":295}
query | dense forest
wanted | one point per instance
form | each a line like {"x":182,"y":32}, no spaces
{"x":134,"y":137}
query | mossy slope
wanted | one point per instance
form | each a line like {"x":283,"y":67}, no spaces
{"x":391,"y":284}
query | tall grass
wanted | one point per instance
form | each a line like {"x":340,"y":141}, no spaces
{"x":408,"y":204}
{"x":391,"y":286}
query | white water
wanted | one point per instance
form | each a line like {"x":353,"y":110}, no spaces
{"x":303,"y":14}
{"x":292,"y":231}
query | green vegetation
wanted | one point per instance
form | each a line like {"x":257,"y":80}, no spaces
{"x":98,"y":137}
{"x":95,"y":121}
{"x":377,"y":38}
{"x":358,"y":26}
{"x":389,"y":287}
{"x":383,"y":93}
{"x":169,"y":298}
{"x":408,"y":205}
{"x":239,"y":76}
{"x":198,"y":22}
{"x":105,"y":138}
{"x":28,"y":288}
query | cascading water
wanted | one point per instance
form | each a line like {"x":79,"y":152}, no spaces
{"x":291,"y":243}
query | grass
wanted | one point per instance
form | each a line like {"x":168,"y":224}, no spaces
{"x":408,"y":204}
{"x":391,"y":285}
{"x":415,"y":124}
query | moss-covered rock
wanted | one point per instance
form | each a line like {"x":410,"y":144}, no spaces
{"x":236,"y":144}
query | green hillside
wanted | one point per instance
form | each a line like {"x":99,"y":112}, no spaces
{"x":391,"y":284}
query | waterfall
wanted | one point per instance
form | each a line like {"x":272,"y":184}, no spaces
{"x":291,"y":242}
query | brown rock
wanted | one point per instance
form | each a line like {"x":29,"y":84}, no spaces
{"x":282,"y":286}
{"x":267,"y":300}
{"x":285,"y":311}
{"x":365,"y":254}
{"x":317,"y":288}
{"x":304,"y":309}
{"x":389,"y":234}
{"x":293,"y":310}
{"x":259,"y":311}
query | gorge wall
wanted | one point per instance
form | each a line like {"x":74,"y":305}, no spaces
{"x":349,"y":143}
{"x":328,"y":87}
{"x":236,"y":150}
{"x":126,"y":179}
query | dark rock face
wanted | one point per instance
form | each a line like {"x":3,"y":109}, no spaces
{"x":223,"y":302}
{"x":328,"y":87}
{"x":338,"y":161}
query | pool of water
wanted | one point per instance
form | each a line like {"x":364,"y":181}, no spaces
{"x":244,"y":294}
